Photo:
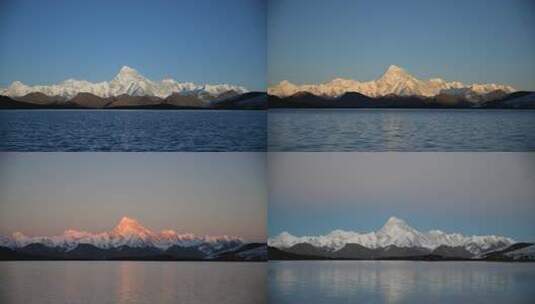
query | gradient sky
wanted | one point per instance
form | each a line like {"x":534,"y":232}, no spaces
{"x":203,"y":193}
{"x":204,"y":41}
{"x":470,"y":193}
{"x":311,"y":41}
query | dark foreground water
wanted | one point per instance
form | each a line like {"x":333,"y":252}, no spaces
{"x":74,"y":282}
{"x":132,"y":130}
{"x":401,"y":130}
{"x":370,"y":282}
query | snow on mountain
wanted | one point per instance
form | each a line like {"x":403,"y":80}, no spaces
{"x":128,"y":232}
{"x":395,"y":81}
{"x":6,"y":242}
{"x":127,"y":81}
{"x":395,"y":232}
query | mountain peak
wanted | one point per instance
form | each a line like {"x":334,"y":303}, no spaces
{"x":128,"y":70}
{"x":168,"y":233}
{"x":396,"y":72}
{"x":394,"y":68}
{"x":127,"y":73}
{"x":395,"y":224}
{"x":18,"y":87}
{"x":130,"y":226}
{"x":16,"y":83}
{"x":125,"y":220}
{"x":395,"y":221}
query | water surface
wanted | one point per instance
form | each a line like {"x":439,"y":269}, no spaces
{"x":400,"y":282}
{"x":132,"y":130}
{"x":401,"y":130}
{"x":73,"y":282}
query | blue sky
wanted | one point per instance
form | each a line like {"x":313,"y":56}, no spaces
{"x":202,"y":193}
{"x":312,"y":41}
{"x":471,"y":193}
{"x":204,"y":41}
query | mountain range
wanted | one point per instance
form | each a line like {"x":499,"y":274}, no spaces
{"x":397,"y":240}
{"x":397,"y":88}
{"x":129,"y":89}
{"x":395,"y":81}
{"x":129,"y":240}
{"x":128,"y":81}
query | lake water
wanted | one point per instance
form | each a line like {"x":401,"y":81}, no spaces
{"x":132,"y":130}
{"x":400,"y":282}
{"x":73,"y":282}
{"x":401,"y":130}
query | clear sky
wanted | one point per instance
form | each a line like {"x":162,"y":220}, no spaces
{"x":204,"y":41}
{"x":469,"y":193}
{"x":202,"y":193}
{"x":311,"y":41}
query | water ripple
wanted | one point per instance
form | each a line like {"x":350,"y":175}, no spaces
{"x":401,"y":130}
{"x":132,"y":130}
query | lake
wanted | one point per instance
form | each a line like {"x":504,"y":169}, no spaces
{"x":400,"y":282}
{"x":73,"y":282}
{"x":132,"y":130}
{"x":401,"y":130}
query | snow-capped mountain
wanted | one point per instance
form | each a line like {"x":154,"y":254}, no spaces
{"x":395,"y":232}
{"x":128,"y":232}
{"x":127,"y":81}
{"x":394,"y":81}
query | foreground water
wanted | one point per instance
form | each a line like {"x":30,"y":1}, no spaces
{"x":132,"y":282}
{"x":132,"y":130}
{"x":400,"y":282}
{"x":401,"y":130}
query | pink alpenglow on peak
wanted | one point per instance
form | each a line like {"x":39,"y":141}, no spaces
{"x":128,"y":232}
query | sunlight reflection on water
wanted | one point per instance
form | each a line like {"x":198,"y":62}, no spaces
{"x":122,"y":282}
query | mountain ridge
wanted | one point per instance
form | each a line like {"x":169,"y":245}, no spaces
{"x":128,"y":232}
{"x":83,"y":100}
{"x":129,"y":240}
{"x":127,"y":81}
{"x":395,"y":232}
{"x":394,"y":81}
{"x":492,"y":100}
